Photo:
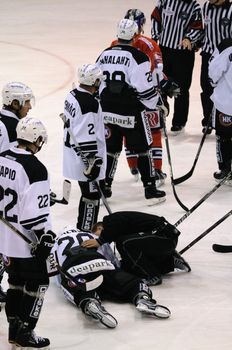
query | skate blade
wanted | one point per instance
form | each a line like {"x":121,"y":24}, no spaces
{"x":158,"y":311}
{"x":18,"y":347}
{"x":155,"y":201}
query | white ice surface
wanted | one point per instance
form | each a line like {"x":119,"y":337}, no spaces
{"x":42,"y":43}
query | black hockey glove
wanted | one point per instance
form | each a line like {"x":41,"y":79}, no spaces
{"x":52,"y":197}
{"x":170,"y":88}
{"x":93,"y":169}
{"x":44,"y":245}
{"x":163,"y":106}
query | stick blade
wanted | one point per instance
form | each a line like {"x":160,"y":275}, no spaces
{"x":66,"y":190}
{"x":220,"y":248}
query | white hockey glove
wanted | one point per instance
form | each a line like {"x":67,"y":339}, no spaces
{"x":44,"y":245}
{"x":163,"y":106}
{"x":93,"y":169}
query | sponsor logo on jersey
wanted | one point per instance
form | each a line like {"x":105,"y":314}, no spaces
{"x":154,"y":119}
{"x":7,"y":172}
{"x":123,"y":121}
{"x":207,"y":20}
{"x":225,"y":119}
{"x":184,"y":15}
{"x":168,"y":11}
{"x":115,"y":60}
{"x":90,"y":266}
{"x":225,"y":21}
{"x":108,"y":132}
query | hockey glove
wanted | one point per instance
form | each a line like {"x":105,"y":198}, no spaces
{"x":93,"y":169}
{"x":163,"y":106}
{"x":170,"y":88}
{"x":44,"y":245}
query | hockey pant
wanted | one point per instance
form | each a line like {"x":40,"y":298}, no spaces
{"x":207,"y":89}
{"x":156,"y":146}
{"x":117,"y":285}
{"x":88,"y":205}
{"x":137,"y":142}
{"x":28,"y":283}
{"x":146,"y":255}
{"x":223,"y":126}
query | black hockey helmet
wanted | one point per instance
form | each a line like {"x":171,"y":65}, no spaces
{"x":137,"y":16}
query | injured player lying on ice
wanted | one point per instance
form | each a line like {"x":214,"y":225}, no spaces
{"x":89,"y":275}
{"x":146,"y":244}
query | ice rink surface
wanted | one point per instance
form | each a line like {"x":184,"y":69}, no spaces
{"x":42,"y":43}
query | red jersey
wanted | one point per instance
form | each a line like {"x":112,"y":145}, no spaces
{"x":149,"y":47}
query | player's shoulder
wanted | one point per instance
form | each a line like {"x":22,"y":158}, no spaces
{"x":35,"y":170}
{"x":128,"y":51}
{"x":86,"y":101}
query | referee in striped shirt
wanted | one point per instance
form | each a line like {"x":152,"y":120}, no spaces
{"x":177,"y":25}
{"x":217,"y":17}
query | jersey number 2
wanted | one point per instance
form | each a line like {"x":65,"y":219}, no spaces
{"x":8,"y":192}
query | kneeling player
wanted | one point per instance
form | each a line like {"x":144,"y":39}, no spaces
{"x":146,"y":244}
{"x":87,"y":275}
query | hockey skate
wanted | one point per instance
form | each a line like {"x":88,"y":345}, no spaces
{"x":176,"y":129}
{"x":149,"y":306}
{"x":94,"y":309}
{"x":219,"y":175}
{"x":26,"y":339}
{"x":153,"y":281}
{"x":154,"y":196}
{"x":180,"y":263}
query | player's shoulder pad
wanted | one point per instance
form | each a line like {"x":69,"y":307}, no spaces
{"x":139,"y":56}
{"x":35,"y":170}
{"x":86,"y":101}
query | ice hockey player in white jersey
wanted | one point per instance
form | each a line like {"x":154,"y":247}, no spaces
{"x":84,"y":153}
{"x":125,"y":94}
{"x":25,"y":205}
{"x":17,"y":99}
{"x":220,"y":73}
{"x":88,"y":275}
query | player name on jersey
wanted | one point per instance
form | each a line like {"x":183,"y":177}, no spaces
{"x":7,"y":172}
{"x":115,"y":60}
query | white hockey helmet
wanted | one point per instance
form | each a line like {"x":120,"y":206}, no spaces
{"x":17,"y":91}
{"x":30,"y":129}
{"x":126,"y":29}
{"x":89,"y":73}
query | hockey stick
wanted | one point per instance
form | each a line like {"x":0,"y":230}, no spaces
{"x":85,"y":160}
{"x":221,"y":248}
{"x":168,"y":149}
{"x":66,"y":193}
{"x":170,"y":166}
{"x":15,"y":230}
{"x":205,"y":232}
{"x":189,"y":174}
{"x":206,"y":196}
